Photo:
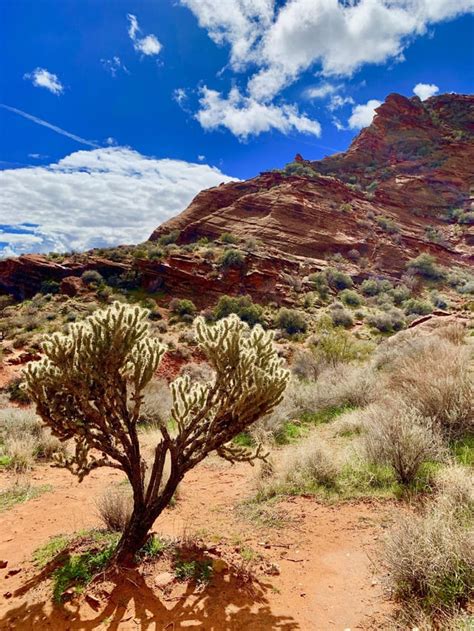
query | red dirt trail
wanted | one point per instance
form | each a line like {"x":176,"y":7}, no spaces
{"x":323,"y":580}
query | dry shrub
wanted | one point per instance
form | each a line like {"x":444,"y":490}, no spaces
{"x":438,"y":383}
{"x":305,"y":365}
{"x":26,"y":438}
{"x":454,"y":333}
{"x":455,"y":488}
{"x":352,"y":422}
{"x":349,"y":385}
{"x":302,"y":467}
{"x":115,"y":509}
{"x":157,"y":403}
{"x":430,"y":560}
{"x":398,"y":436}
{"x":198,"y":373}
{"x":21,"y":451}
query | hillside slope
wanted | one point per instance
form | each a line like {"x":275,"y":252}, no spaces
{"x":404,"y":185}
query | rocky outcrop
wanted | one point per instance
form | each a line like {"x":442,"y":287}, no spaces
{"x":399,"y":179}
{"x":22,"y":277}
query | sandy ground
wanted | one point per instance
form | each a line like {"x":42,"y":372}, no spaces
{"x":322,"y":554}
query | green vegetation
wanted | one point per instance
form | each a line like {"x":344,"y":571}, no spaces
{"x":182,"y":307}
{"x":79,"y":569}
{"x":291,"y":321}
{"x":199,"y":571}
{"x":19,"y":493}
{"x":241,"y":306}
{"x":425,"y":265}
{"x":232,"y":258}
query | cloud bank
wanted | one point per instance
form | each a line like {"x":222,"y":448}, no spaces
{"x":95,"y":198}
{"x":278,"y":42}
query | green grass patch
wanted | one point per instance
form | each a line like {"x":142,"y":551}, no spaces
{"x":463,"y":451}
{"x":291,"y":431}
{"x":19,"y":494}
{"x":153,"y":548}
{"x":79,"y":569}
{"x":45,"y":554}
{"x":5,"y":461}
{"x":326,"y":415}
{"x":195,"y":570}
{"x":244,"y":439}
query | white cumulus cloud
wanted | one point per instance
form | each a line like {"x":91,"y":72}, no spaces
{"x":244,"y":116}
{"x":425,"y":90}
{"x":42,"y":78}
{"x":362,"y":115}
{"x":283,"y":40}
{"x":148,"y":45}
{"x":95,"y":198}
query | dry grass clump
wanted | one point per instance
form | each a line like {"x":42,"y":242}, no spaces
{"x":400,"y":437}
{"x":115,"y":509}
{"x":302,"y":468}
{"x":454,"y":487}
{"x":157,"y":403}
{"x":438,"y":383}
{"x":23,"y":439}
{"x":430,"y":561}
{"x":350,"y":423}
{"x":21,"y":453}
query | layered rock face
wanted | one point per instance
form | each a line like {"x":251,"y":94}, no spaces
{"x":390,"y":196}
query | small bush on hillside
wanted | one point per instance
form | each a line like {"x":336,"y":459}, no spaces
{"x":157,"y":403}
{"x":399,"y":294}
{"x":320,"y":284}
{"x":417,"y":307}
{"x":232,"y":258}
{"x":341,"y":317}
{"x":182,"y":307}
{"x":241,"y":306}
{"x":387,"y":224}
{"x":305,"y":364}
{"x":425,"y":265}
{"x":227,"y":237}
{"x":291,"y":321}
{"x":50,"y":287}
{"x":169,"y":238}
{"x":399,"y":437}
{"x":332,"y":345}
{"x":92,"y":277}
{"x":351,"y":298}
{"x":302,"y":468}
{"x":387,"y":321}
{"x":338,"y":280}
{"x":373,"y":287}
{"x":438,"y":301}
{"x":25,"y":438}
{"x":454,"y":486}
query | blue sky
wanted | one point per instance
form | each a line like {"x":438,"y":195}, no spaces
{"x":161,"y":98}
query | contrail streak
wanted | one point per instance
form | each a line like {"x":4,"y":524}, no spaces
{"x":58,"y":130}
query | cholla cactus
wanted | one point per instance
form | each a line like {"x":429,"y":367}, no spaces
{"x":89,"y":388}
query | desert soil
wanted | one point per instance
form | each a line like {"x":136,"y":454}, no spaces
{"x":312,"y":568}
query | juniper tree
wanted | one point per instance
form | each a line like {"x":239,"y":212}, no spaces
{"x":89,"y":389}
